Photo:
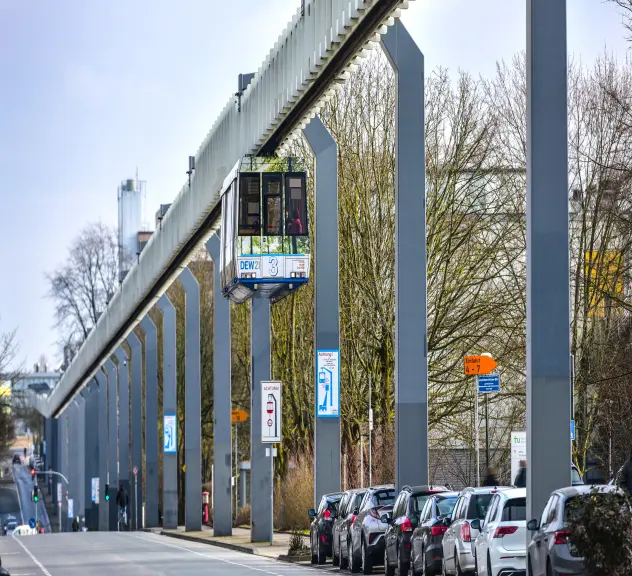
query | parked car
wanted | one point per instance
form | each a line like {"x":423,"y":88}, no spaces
{"x":501,"y":546}
{"x":366,"y":542}
{"x":348,"y":509}
{"x":457,"y":540}
{"x":426,"y":548}
{"x":406,"y":511}
{"x":549,"y":552}
{"x":17,"y":459}
{"x":321,"y":529}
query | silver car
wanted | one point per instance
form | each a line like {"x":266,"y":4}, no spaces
{"x":548,"y":551}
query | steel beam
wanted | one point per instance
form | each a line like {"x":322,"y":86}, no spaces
{"x":113,"y":443}
{"x":260,"y":475}
{"x":548,"y":268}
{"x":151,"y":423}
{"x":192,"y":404}
{"x":169,"y":407}
{"x":103,"y":449}
{"x":326,"y":296}
{"x":136,"y":486}
{"x":222,"y":402}
{"x":411,"y":345}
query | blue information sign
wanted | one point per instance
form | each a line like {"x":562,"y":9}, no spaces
{"x":572,"y":429}
{"x":32,"y":523}
{"x":170,"y":431}
{"x":488,"y":383}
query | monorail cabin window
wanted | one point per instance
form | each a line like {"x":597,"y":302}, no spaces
{"x":272,"y":222}
{"x":249,"y":221}
{"x":295,"y":206}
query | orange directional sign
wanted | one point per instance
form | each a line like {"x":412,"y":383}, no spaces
{"x":239,"y":416}
{"x":474,"y":365}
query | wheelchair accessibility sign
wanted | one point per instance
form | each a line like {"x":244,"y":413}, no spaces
{"x":170,"y":434}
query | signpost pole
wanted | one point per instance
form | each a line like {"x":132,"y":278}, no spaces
{"x":370,"y":435}
{"x":486,"y":433}
{"x":236,"y":470}
{"x":478,"y":462}
{"x":135,"y":501}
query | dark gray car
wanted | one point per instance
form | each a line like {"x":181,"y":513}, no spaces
{"x":548,"y":551}
{"x":348,"y":509}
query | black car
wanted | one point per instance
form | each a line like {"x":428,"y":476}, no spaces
{"x":348,"y":509}
{"x":17,"y":459}
{"x":426,"y":548}
{"x":406,"y":511}
{"x":321,"y":529}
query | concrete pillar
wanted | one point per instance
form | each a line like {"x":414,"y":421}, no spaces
{"x":261,"y":469}
{"x":102,"y":402}
{"x":80,"y":427}
{"x":136,"y":487}
{"x":54,"y":457}
{"x":170,"y":408}
{"x":91,"y":451}
{"x":327,"y":311}
{"x":548,"y":268}
{"x":113,"y":443}
{"x":63,"y":461}
{"x":222,"y":402}
{"x":192,"y":401}
{"x":123,"y":418}
{"x":151,"y":423}
{"x":411,"y":340}
{"x":47,"y":448}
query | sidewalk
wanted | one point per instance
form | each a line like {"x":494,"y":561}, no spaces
{"x":240,"y":541}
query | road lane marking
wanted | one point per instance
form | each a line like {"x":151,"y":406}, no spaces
{"x":210,"y":556}
{"x":17,"y":489}
{"x":37,"y":562}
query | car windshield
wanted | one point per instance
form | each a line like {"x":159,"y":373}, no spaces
{"x":515,"y":509}
{"x":384,"y":498}
{"x":575,"y":477}
{"x":446,"y":505}
{"x":478,"y":506}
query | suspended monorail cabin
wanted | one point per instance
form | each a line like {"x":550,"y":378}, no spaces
{"x":264,"y":234}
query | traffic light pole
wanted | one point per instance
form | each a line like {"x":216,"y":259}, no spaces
{"x":52,"y":473}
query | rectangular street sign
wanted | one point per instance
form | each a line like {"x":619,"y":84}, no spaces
{"x":270,"y":412}
{"x":70,"y":508}
{"x":59,"y":496}
{"x":328,"y":383}
{"x":488,"y":383}
{"x":95,"y":490}
{"x":170,"y":432}
{"x":572,"y":430}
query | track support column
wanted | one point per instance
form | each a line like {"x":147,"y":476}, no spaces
{"x":136,"y":486}
{"x":192,"y":401}
{"x":260,"y":469}
{"x":123,"y":417}
{"x":103,"y":449}
{"x":548,"y":268}
{"x":327,"y":310}
{"x":411,"y":346}
{"x":151,"y":422}
{"x":63,"y":464}
{"x":222,"y":402}
{"x":170,"y":408}
{"x":113,"y":443}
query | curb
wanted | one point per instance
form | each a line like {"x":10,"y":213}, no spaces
{"x":229,"y":546}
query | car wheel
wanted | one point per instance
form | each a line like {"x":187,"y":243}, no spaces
{"x":489,"y":571}
{"x":387,"y":569}
{"x":311,"y":547}
{"x":529,"y":569}
{"x":353,"y":563}
{"x":458,"y":570}
{"x":322,"y":557}
{"x":336,"y":557}
{"x":402,"y":567}
{"x":367,"y":564}
{"x":550,"y":571}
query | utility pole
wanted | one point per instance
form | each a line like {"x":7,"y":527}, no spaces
{"x":370,"y":436}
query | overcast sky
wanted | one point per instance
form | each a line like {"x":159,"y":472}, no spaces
{"x":91,"y":90}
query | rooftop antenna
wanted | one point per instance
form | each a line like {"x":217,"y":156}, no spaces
{"x":191,"y":168}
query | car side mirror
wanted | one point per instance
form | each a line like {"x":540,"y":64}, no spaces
{"x":532,"y":525}
{"x":385,"y":519}
{"x":311,"y":513}
{"x":476,"y":524}
{"x":446,"y":521}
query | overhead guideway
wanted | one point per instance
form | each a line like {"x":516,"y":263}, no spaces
{"x":309,"y":60}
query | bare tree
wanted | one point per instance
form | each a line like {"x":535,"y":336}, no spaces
{"x":82,"y":286}
{"x":626,"y":12}
{"x":9,"y":348}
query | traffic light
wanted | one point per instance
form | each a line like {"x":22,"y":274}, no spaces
{"x":32,"y":472}
{"x":107,"y":492}
{"x":35,"y":494}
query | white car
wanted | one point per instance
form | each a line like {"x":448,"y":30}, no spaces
{"x":24,"y":530}
{"x":501,"y":546}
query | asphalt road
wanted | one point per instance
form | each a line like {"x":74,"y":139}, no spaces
{"x":135,"y":554}
{"x":24,"y":484}
{"x":9,"y":503}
